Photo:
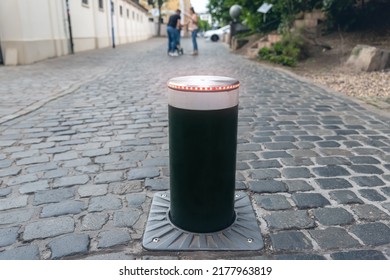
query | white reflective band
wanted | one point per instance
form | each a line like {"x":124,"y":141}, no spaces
{"x":203,"y":92}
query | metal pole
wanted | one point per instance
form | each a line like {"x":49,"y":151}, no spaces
{"x":112,"y":25}
{"x":70,"y":27}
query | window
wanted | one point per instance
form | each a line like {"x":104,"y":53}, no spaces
{"x":128,"y":13}
{"x":121,"y":10}
{"x":100,"y":4}
{"x":85,"y":2}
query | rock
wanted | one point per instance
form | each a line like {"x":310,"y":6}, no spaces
{"x":367,"y":58}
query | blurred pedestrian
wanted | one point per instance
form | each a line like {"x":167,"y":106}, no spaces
{"x":173,"y":28}
{"x":193,"y":27}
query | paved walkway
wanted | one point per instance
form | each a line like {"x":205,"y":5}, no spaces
{"x":78,"y":173}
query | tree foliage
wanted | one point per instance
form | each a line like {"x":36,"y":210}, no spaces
{"x":343,"y":14}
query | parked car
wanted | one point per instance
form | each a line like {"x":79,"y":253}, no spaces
{"x":215,"y":35}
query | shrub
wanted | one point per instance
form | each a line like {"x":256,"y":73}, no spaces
{"x":286,"y":52}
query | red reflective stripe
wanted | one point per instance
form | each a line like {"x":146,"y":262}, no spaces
{"x":204,"y":89}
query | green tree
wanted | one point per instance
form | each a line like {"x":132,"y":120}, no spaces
{"x":159,"y":4}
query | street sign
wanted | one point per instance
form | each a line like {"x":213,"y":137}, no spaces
{"x":265,"y":8}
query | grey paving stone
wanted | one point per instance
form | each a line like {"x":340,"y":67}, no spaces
{"x":280,"y":146}
{"x":368,"y":181}
{"x":309,"y":200}
{"x":8,"y":236}
{"x":372,"y":195}
{"x":10,"y":171}
{"x":300,"y":257}
{"x":134,"y":156}
{"x":5,"y":191}
{"x":275,"y":154}
{"x":290,"y":241}
{"x":56,"y":150}
{"x":366,"y":169}
{"x":298,"y":186}
{"x":48,"y":228}
{"x":76,"y":162}
{"x":93,"y":221}
{"x":248,"y":147}
{"x":15,"y":202}
{"x":246,"y":156}
{"x":107,"y":159}
{"x":6,"y":163}
{"x":108,"y":202}
{"x":126,"y":218}
{"x":65,"y":156}
{"x":364,"y":160}
{"x":328,"y":144}
{"x":89,"y":169}
{"x":265,"y":174}
{"x":267,"y":186}
{"x":71,"y":181}
{"x":34,"y":187}
{"x":143,"y":173}
{"x":57,"y":173}
{"x":330,"y":171}
{"x":333,"y":216}
{"x":369,"y":212}
{"x":135,"y":200}
{"x":345,"y":197}
{"x":260,"y":164}
{"x":122,"y":165}
{"x":28,"y":252}
{"x":22,"y":179}
{"x":41,"y":167}
{"x":358,"y":255}
{"x":96,"y":152}
{"x":333,"y":183}
{"x":373,"y":234}
{"x":296,"y":172}
{"x":333,"y":238}
{"x":108,"y":177}
{"x":33,"y":160}
{"x":16,"y":216}
{"x":69,"y":245}
{"x":158,"y":184}
{"x":63,"y":208}
{"x":386,"y":191}
{"x":50,"y":196}
{"x":112,"y":238}
{"x":157,"y":162}
{"x":332,"y":161}
{"x":284,"y":220}
{"x":272,"y":202}
{"x":92,"y":190}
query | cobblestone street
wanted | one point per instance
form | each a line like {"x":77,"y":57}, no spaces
{"x":84,"y":146}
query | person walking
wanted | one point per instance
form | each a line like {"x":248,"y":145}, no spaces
{"x":173,"y":32}
{"x":193,"y":28}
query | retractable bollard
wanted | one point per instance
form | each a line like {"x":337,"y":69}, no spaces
{"x":202,"y":211}
{"x":203,"y":116}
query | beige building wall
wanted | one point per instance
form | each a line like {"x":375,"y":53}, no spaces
{"x":33,"y":30}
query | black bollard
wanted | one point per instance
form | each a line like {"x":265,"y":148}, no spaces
{"x":203,"y":114}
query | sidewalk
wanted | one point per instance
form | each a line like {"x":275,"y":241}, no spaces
{"x":84,"y":146}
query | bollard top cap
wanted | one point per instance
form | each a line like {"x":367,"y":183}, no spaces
{"x":203,"y":83}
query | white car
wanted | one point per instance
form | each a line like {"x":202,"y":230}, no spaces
{"x":215,"y":35}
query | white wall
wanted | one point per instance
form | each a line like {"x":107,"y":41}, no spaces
{"x":32,"y":30}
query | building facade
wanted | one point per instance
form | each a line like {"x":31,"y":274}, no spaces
{"x":33,"y":30}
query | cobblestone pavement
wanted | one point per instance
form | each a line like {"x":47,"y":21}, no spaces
{"x":78,"y":173}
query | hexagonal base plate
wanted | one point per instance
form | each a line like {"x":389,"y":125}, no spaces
{"x":161,"y":234}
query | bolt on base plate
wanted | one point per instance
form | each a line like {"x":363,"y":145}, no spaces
{"x":160,"y":234}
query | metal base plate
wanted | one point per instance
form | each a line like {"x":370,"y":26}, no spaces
{"x":161,"y":234}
